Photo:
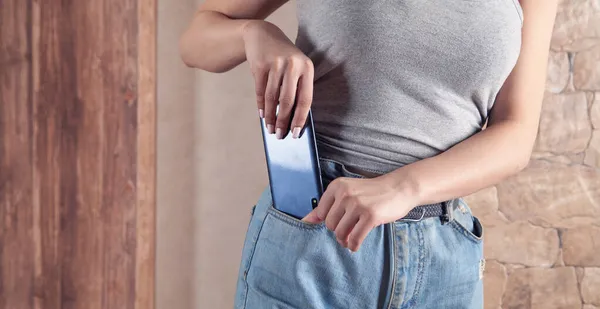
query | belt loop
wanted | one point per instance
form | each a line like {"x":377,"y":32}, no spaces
{"x":448,"y":214}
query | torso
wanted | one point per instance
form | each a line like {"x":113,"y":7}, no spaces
{"x":397,"y":81}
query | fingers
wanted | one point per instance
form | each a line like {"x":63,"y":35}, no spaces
{"x":326,"y":202}
{"x":304,"y":100}
{"x":344,"y":227}
{"x":272,"y":94}
{"x":284,"y":88}
{"x":359,"y":233}
{"x":320,"y":212}
{"x":260,"y":84}
{"x":312,"y":217}
{"x":335,"y":214}
{"x":350,"y":224}
{"x":287,"y":98}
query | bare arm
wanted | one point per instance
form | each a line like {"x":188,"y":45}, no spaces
{"x":213,"y":41}
{"x":505,"y":146}
{"x":225,"y":33}
{"x":502,"y":149}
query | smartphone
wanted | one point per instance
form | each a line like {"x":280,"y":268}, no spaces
{"x":294,"y":171}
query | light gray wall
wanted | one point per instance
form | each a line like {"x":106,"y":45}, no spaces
{"x":176,"y":179}
{"x":211,"y":168}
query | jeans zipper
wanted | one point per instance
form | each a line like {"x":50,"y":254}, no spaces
{"x":392,"y":259}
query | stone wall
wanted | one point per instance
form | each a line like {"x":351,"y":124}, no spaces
{"x":542,"y":227}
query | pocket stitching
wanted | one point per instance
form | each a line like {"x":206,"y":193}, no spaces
{"x":250,"y":259}
{"x":463,"y":230}
{"x":285,"y":218}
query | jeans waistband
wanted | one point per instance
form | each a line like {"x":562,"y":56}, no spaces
{"x":331,"y":169}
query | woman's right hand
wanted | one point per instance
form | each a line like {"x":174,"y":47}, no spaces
{"x":283,"y":76}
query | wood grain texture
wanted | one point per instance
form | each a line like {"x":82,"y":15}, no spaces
{"x":16,"y":241}
{"x":146,"y":159}
{"x":77,"y":154}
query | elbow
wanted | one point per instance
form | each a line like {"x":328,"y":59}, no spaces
{"x":194,"y":56}
{"x":185,"y":51}
{"x":201,"y":47}
{"x":521,"y":161}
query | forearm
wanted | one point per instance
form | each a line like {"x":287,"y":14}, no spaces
{"x":482,"y":160}
{"x":213,"y":42}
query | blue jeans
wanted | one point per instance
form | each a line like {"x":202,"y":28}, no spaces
{"x":287,"y":263}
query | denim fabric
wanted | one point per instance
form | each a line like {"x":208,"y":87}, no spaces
{"x":287,"y":263}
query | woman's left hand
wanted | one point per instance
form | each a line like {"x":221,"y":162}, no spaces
{"x":352,"y":207}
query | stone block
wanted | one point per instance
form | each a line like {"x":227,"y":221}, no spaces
{"x":590,"y":286}
{"x":564,"y":124}
{"x":522,"y":243}
{"x":592,"y":153}
{"x":558,"y":72}
{"x":494,"y":282}
{"x":577,"y":25}
{"x":552,"y":195}
{"x":586,"y":71}
{"x":581,"y":246}
{"x":542,"y":288}
{"x":595,"y":111}
{"x":484,"y":205}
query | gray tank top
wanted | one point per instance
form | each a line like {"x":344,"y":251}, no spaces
{"x":397,"y":81}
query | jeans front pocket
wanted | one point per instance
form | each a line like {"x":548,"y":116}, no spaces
{"x":282,"y":216}
{"x":255,"y":224}
{"x":453,"y":261}
{"x":297,"y":264}
{"x":466,"y":223}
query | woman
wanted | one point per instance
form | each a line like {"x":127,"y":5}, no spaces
{"x":400,"y":91}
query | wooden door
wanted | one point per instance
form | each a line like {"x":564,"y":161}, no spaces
{"x":77,"y":154}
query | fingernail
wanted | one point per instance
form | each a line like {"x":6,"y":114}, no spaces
{"x":270,"y":128}
{"x":296,"y":132}
{"x":261,"y":113}
{"x":279,"y":133}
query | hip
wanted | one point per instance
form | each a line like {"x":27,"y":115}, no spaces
{"x":288,"y":263}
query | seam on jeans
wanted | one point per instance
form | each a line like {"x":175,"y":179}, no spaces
{"x":392,"y":241}
{"x":464,"y":203}
{"x":420,"y":266}
{"x":343,"y":167}
{"x":250,"y":258}
{"x":461,"y":229}
{"x":285,"y":218}
{"x":352,"y":173}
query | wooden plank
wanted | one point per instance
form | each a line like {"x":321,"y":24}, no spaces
{"x":65,"y":252}
{"x":77,"y":154}
{"x":120,"y":105}
{"x":86,"y":144}
{"x":16,"y":219}
{"x":146,"y":156}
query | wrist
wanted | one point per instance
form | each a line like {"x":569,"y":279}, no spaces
{"x":247,"y":25}
{"x":251,"y":27}
{"x":407,"y":186}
